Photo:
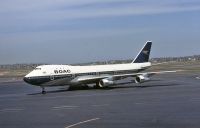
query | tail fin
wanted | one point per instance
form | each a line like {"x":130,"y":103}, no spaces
{"x":143,"y":55}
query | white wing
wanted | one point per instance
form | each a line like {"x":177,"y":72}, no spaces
{"x":96,"y":78}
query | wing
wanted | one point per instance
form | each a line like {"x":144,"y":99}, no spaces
{"x":146,"y":73}
{"x":89,"y":79}
{"x":96,"y":78}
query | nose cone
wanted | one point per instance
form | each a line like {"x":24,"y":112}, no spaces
{"x":35,"y":80}
{"x":27,"y":80}
{"x":31,"y":80}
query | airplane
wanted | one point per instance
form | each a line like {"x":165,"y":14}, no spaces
{"x":100,"y":75}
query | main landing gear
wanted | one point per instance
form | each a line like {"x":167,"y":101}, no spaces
{"x":97,"y":86}
{"x":43,"y":90}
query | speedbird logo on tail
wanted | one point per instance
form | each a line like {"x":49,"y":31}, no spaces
{"x":145,"y":52}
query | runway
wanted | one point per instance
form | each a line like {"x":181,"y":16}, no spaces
{"x":169,"y":101}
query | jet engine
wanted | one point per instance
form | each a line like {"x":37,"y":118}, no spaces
{"x":142,"y":78}
{"x":105,"y":82}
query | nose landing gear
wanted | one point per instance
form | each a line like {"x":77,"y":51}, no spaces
{"x":43,"y":90}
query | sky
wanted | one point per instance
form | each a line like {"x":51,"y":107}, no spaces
{"x":79,"y":31}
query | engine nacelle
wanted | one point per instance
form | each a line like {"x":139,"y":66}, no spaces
{"x":105,"y":82}
{"x":142,"y":79}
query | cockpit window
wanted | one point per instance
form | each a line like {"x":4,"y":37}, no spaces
{"x":37,"y":68}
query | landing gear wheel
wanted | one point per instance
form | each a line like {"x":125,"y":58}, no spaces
{"x":43,"y":90}
{"x":85,"y":86}
{"x":97,"y":86}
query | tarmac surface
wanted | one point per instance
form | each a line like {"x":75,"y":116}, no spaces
{"x":169,"y":101}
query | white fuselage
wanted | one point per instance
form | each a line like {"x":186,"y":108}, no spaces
{"x":48,"y":70}
{"x":51,"y":73}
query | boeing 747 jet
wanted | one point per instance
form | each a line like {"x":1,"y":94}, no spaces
{"x":100,"y":75}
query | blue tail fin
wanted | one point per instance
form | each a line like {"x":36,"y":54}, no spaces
{"x":144,"y":54}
